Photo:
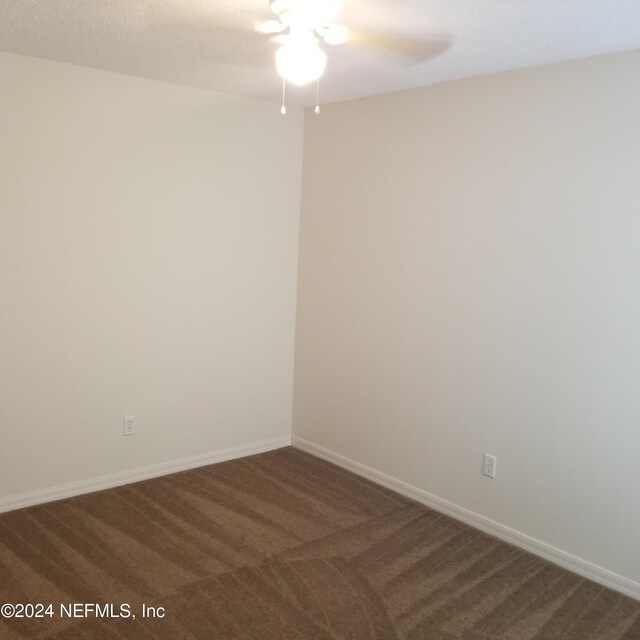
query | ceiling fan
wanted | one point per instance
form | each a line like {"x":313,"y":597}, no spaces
{"x":303,"y":26}
{"x":373,"y":35}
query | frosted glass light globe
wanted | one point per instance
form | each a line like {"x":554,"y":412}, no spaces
{"x":301,"y":61}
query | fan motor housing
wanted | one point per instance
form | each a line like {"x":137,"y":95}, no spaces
{"x":309,"y":13}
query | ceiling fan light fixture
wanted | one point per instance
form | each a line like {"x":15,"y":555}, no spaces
{"x":301,"y":61}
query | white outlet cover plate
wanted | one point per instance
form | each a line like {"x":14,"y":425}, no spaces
{"x":129,"y":427}
{"x":489,"y":465}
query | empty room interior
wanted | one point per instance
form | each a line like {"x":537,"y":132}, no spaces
{"x":320,"y":319}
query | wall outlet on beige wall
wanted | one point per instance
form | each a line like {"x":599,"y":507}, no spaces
{"x":129,"y":426}
{"x":489,"y":464}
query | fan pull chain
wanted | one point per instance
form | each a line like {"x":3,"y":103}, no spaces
{"x":283,"y":108}
{"x":317,"y":109}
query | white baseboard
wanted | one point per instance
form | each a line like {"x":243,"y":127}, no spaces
{"x":135,"y":475}
{"x":557,"y":556}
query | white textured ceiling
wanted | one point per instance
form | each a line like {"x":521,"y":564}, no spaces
{"x":212,"y":43}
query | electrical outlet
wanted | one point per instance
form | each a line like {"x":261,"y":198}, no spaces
{"x":129,"y":425}
{"x":489,"y":465}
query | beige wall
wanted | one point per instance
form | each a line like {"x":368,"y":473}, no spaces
{"x":148,"y":252}
{"x":469,"y":282}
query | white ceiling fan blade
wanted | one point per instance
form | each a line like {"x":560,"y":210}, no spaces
{"x":405,"y":49}
{"x":405,"y":30}
{"x":270,"y":26}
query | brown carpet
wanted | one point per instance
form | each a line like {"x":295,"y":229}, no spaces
{"x":284,"y":546}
